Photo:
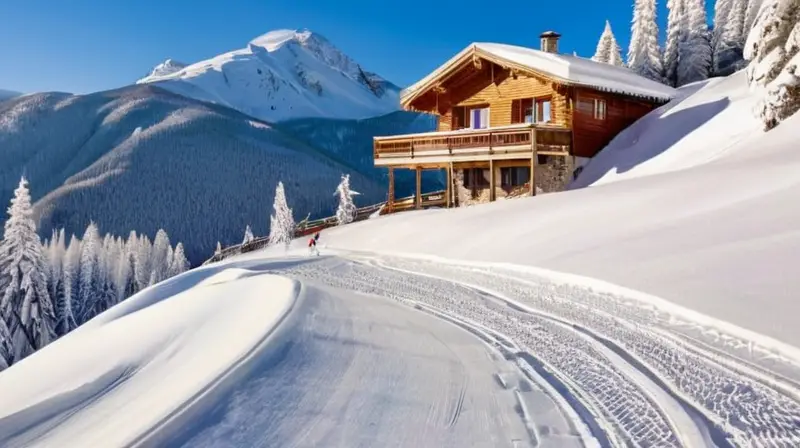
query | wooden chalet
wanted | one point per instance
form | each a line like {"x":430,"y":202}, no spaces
{"x":515,"y":121}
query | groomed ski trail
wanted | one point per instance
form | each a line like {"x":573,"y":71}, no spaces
{"x":640,"y":387}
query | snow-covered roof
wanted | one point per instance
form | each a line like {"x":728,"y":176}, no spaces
{"x":571,"y":70}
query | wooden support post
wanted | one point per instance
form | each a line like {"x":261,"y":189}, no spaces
{"x":534,"y":157}
{"x":418,"y":201}
{"x":448,"y":191}
{"x":390,"y":201}
{"x":491,"y":181}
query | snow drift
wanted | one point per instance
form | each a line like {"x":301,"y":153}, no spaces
{"x":705,"y":221}
{"x":281,"y":75}
{"x":115,"y":382}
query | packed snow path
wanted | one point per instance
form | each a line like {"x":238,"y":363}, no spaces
{"x":630,"y":373}
{"x":356,"y":370}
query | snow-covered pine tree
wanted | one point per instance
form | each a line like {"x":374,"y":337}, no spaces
{"x":644,"y":53}
{"x":346,"y":212}
{"x":218,"y":248}
{"x":6,"y":348}
{"x":281,"y":229}
{"x":773,"y":49}
{"x":677,"y":33}
{"x":608,"y":50}
{"x":89,"y":278}
{"x":180,"y":263}
{"x":753,"y":6}
{"x":694,"y":63}
{"x":71,"y":272}
{"x":142,"y":272}
{"x":159,"y":257}
{"x":248,"y":235}
{"x":729,"y":36}
{"x":124,"y":278}
{"x":25,"y":304}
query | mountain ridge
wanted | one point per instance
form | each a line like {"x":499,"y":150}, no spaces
{"x":282,"y":75}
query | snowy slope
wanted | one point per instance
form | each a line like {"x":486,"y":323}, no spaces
{"x":706,"y":121}
{"x":285,"y":74}
{"x":235,"y":356}
{"x":719,"y":237}
{"x":141,"y":158}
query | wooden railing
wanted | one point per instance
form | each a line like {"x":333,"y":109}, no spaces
{"x":309,"y":227}
{"x":548,"y":139}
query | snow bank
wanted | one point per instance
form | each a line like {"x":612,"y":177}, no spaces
{"x":720,"y":237}
{"x":130,"y":368}
{"x":706,"y":120}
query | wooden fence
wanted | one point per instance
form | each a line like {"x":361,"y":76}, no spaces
{"x":309,"y":227}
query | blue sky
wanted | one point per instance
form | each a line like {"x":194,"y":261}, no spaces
{"x":82,"y":46}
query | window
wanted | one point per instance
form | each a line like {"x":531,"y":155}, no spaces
{"x":514,"y":176}
{"x":599,"y":109}
{"x":479,"y":118}
{"x":476,"y":178}
{"x":530,"y":110}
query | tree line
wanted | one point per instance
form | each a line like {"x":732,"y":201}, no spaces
{"x":49,"y":289}
{"x":692,"y":51}
{"x":762,"y":36}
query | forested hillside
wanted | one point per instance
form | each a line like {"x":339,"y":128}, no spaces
{"x":141,"y":158}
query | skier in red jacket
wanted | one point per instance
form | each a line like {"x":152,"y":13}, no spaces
{"x":312,"y":244}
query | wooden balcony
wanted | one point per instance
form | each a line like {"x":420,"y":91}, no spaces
{"x":470,"y":145}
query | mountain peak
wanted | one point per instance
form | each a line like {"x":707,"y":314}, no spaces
{"x":276,"y":39}
{"x":165,"y":68}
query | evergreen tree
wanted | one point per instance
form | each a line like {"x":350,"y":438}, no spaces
{"x":753,"y":6}
{"x":346,"y":212}
{"x":66,"y":307}
{"x":125,"y":282}
{"x":218,"y":248}
{"x":773,"y":49}
{"x":179,"y":262}
{"x":281,"y":229}
{"x":729,"y":36}
{"x":6,"y":347}
{"x":142,"y":271}
{"x":89,"y":277}
{"x":25,"y":305}
{"x":694,"y":63}
{"x":160,"y":257}
{"x":248,"y":235}
{"x":644,"y":53}
{"x":677,"y":33}
{"x":608,"y":50}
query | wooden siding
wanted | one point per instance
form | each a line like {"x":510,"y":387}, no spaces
{"x":590,"y":134}
{"x":496,"y":87}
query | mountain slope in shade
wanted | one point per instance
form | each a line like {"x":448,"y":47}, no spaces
{"x":141,"y":158}
{"x":285,"y":74}
{"x":351,"y":141}
{"x":8,"y":94}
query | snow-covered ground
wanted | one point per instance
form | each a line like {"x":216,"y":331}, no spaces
{"x":281,"y":75}
{"x":708,"y":223}
{"x":655,"y":308}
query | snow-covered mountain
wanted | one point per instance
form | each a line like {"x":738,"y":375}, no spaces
{"x":143,"y":158}
{"x":281,"y":75}
{"x":165,"y":68}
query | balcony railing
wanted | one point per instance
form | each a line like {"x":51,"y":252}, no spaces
{"x":474,"y":142}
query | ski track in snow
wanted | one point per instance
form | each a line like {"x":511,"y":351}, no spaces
{"x":627,"y":372}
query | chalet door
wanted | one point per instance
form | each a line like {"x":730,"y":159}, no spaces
{"x":479,"y":118}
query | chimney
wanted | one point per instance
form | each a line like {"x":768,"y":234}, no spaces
{"x":549,"y":41}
